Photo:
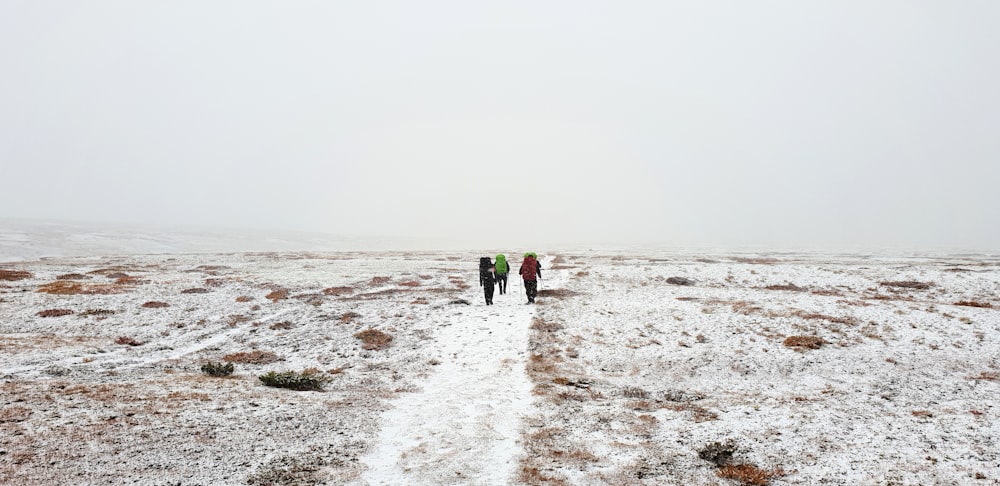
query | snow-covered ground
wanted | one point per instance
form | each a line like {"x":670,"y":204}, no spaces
{"x":615,"y":376}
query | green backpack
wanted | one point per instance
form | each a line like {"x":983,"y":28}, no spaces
{"x":501,"y":264}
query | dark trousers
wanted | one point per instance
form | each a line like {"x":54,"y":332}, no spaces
{"x":488,"y":293}
{"x":531,"y":288}
{"x":502,"y":282}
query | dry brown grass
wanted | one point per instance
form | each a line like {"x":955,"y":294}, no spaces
{"x":788,"y":286}
{"x":922,"y":413}
{"x":252,"y":357}
{"x":557,"y":293}
{"x":757,"y":261}
{"x":72,"y":276}
{"x":127,"y":341}
{"x":13,"y":275}
{"x":988,"y":376}
{"x":373,"y":339}
{"x":338,"y":291}
{"x":281,"y":325}
{"x":155,"y":304}
{"x":908,"y":284}
{"x":410,"y":283}
{"x":810,"y":342}
{"x":349,"y":316}
{"x":67,"y":287}
{"x":276,"y":295}
{"x":850,"y":321}
{"x":14,"y":414}
{"x":971,"y":303}
{"x":537,"y":324}
{"x":97,"y":312}
{"x":196,"y":290}
{"x":748,"y":474}
{"x":379,"y":281}
{"x":535,"y":476}
{"x":54,"y":313}
{"x":244,"y":298}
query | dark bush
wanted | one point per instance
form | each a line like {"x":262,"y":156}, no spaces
{"x":218,"y":369}
{"x":301,"y":381}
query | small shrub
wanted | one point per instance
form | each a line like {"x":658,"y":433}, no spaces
{"x":718,"y":453}
{"x":281,"y":325}
{"x":54,"y":313}
{"x":252,"y":357}
{"x":127,"y":340}
{"x":12,"y":275}
{"x":153,"y":304}
{"x":218,"y":369}
{"x":811,"y":342}
{"x":374,"y":339}
{"x":680,"y":281}
{"x":302,"y":381}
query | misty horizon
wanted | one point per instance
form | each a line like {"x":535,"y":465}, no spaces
{"x":773,"y":125}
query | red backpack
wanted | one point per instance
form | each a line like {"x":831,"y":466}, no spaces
{"x":529,"y":268}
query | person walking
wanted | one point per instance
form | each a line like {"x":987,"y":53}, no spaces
{"x":502,"y":269}
{"x":530,"y":272}
{"x":487,"y":278}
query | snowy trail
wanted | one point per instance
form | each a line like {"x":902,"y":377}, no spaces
{"x":465,"y":424}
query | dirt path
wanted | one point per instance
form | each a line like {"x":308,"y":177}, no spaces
{"x":464,"y":426}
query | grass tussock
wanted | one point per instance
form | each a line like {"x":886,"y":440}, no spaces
{"x":375,"y":281}
{"x":306,"y":380}
{"x":807,"y":342}
{"x":244,"y":298}
{"x":252,"y":357}
{"x":410,"y":283}
{"x":373,"y":339}
{"x":14,"y":275}
{"x":155,"y":304}
{"x":196,"y":290}
{"x":54,"y":313}
{"x":72,"y":276}
{"x":128,"y":341}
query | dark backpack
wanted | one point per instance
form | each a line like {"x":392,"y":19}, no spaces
{"x":529,"y":267}
{"x":484,"y":269}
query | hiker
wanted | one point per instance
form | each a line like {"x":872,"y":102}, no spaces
{"x":502,"y":269}
{"x":530,"y":271}
{"x":487,"y":278}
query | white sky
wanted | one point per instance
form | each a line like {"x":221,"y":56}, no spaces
{"x":791,"y":124}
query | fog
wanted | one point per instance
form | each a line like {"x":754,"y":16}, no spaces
{"x":727,"y":124}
